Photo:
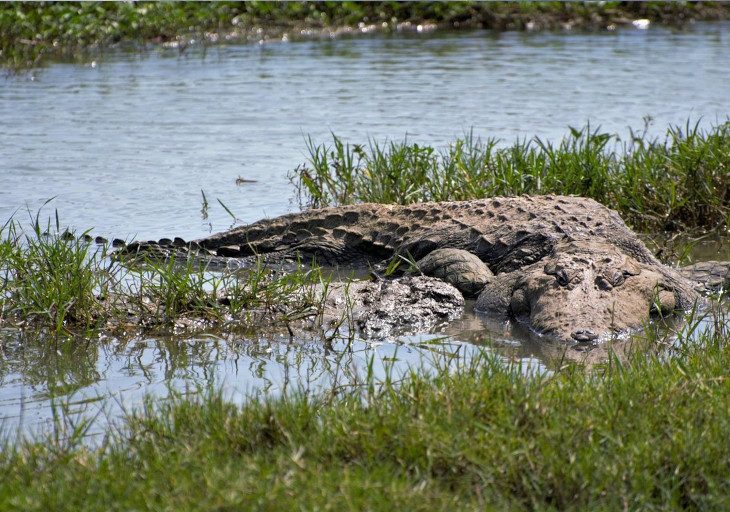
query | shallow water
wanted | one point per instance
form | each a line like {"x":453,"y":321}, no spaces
{"x":125,"y":146}
{"x":104,"y":378}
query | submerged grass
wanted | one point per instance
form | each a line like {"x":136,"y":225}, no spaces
{"x":33,"y":31}
{"x":62,"y":283}
{"x":647,"y":434}
{"x":676,"y":183}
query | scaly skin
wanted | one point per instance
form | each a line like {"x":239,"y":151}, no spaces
{"x":567,"y":266}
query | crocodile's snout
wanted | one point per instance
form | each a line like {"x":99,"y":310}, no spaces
{"x":583,"y":293}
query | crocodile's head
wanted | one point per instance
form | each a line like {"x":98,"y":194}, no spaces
{"x":585,"y":292}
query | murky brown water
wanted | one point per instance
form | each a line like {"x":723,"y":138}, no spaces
{"x":127,"y":144}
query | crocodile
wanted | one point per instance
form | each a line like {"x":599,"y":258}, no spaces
{"x":567,"y":267}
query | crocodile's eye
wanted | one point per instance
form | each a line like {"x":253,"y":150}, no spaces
{"x":617,"y":278}
{"x":610,"y":279}
{"x":603,"y":284}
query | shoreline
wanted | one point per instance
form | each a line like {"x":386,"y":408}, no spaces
{"x":33,"y":34}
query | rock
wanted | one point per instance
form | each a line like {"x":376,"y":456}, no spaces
{"x":387,"y":307}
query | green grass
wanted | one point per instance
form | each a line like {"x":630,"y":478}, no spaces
{"x":647,"y":434}
{"x":52,"y":279}
{"x":30,"y":32}
{"x":676,"y":183}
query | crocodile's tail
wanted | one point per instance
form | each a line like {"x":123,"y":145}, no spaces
{"x":330,"y":236}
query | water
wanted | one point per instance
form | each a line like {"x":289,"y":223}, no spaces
{"x":125,"y":146}
{"x":105,"y":378}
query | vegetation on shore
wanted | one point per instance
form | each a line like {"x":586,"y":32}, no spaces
{"x":678,"y":183}
{"x":33,"y":31}
{"x":53,"y":280}
{"x":648,"y":434}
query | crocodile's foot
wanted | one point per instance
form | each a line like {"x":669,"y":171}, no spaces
{"x":457,"y":267}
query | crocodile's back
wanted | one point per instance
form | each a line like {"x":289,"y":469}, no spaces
{"x":513,"y":230}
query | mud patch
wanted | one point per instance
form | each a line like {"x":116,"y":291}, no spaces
{"x":386,"y":307}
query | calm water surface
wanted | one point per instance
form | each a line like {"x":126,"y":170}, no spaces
{"x":126,"y":145}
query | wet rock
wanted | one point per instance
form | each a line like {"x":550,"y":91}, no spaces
{"x":118,"y":242}
{"x":100,"y":240}
{"x":387,"y":307}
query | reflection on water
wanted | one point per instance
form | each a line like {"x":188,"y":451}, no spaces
{"x":88,"y":376}
{"x":127,"y":146}
{"x":110,"y":375}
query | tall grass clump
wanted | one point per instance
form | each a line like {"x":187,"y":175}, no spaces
{"x":679,"y":182}
{"x":166,"y":291}
{"x":54,"y":280}
{"x":50,"y":277}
